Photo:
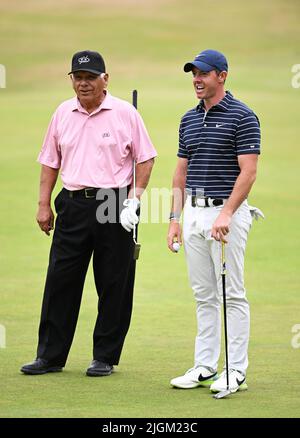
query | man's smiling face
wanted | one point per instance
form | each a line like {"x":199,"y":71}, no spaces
{"x":88,"y":86}
{"x":207,"y":84}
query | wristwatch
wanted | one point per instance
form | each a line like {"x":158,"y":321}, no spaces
{"x":175,"y":216}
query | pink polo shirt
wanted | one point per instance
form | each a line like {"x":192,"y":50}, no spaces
{"x":97,"y":149}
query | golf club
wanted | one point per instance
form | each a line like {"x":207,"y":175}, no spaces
{"x":225,"y":393}
{"x":137,"y":246}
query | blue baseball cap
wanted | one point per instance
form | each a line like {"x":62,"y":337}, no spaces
{"x":208,"y":60}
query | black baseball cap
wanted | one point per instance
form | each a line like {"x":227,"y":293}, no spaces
{"x":87,"y":60}
{"x":208,"y":60}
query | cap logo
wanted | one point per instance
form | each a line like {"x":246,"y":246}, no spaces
{"x":83,"y":59}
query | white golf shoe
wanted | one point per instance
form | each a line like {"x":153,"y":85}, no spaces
{"x":237,"y":382}
{"x":197,"y":376}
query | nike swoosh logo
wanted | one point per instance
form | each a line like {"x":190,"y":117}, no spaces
{"x":219,"y":124}
{"x":202,"y":379}
{"x":239,"y":382}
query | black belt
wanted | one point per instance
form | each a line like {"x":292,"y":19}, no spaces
{"x":206,"y":201}
{"x":91,"y":192}
{"x":87,"y":193}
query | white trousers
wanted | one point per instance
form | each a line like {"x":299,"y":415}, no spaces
{"x":203,"y":255}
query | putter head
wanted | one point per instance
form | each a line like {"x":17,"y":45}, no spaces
{"x":136,"y":252}
{"x":222,"y":394}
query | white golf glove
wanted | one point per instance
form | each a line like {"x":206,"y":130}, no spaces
{"x":256,"y":213}
{"x":128,"y":215}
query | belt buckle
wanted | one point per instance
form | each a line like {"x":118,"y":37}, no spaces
{"x":200,"y":202}
{"x":87,"y":195}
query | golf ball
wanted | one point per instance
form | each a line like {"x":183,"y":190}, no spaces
{"x":176,"y":246}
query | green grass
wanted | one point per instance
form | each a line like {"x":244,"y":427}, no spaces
{"x":145,"y":45}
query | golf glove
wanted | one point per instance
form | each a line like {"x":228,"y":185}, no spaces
{"x":256,"y":213}
{"x":128,"y":216}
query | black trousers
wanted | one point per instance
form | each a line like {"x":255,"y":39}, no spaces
{"x":77,"y":237}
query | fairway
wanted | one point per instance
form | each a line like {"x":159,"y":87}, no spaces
{"x":145,"y":44}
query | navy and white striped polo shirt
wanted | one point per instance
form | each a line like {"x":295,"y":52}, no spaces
{"x":212,"y":141}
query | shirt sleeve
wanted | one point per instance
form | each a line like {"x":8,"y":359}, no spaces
{"x":142,"y":147}
{"x":247,"y":139}
{"x":50,"y":153}
{"x":182,"y":150}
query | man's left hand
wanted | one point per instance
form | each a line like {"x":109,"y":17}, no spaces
{"x":128,"y":216}
{"x":220,"y":227}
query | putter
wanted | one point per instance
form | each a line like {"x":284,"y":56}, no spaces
{"x":137,"y":246}
{"x":225,"y":393}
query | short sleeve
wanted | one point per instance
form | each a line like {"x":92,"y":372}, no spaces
{"x":50,"y":153}
{"x":142,"y":147}
{"x":247,"y":139}
{"x":182,"y":150}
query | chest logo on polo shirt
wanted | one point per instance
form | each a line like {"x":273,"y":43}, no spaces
{"x":83,"y":59}
{"x":219,"y":124}
{"x":106,"y":134}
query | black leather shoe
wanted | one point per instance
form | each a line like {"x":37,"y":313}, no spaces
{"x":39,"y":366}
{"x":98,"y":368}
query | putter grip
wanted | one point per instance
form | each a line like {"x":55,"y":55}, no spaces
{"x":134,"y":98}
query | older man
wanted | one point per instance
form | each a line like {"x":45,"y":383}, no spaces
{"x":92,"y":140}
{"x":219,"y":143}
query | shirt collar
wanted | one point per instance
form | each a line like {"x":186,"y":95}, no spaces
{"x":106,"y":104}
{"x":221,"y":106}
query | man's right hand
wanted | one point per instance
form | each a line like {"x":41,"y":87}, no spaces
{"x":45,"y":218}
{"x":174,"y":234}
